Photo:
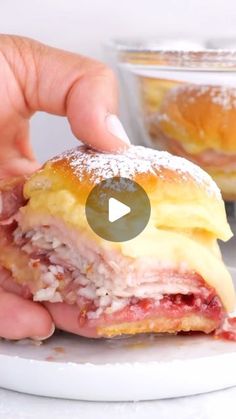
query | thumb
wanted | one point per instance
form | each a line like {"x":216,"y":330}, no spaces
{"x":91,"y":111}
{"x":67,"y":84}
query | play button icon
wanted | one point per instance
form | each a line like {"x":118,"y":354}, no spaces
{"x":117,"y":209}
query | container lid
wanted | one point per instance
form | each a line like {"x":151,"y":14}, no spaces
{"x":208,"y":55}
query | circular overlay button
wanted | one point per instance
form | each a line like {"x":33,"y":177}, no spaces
{"x":118,"y":209}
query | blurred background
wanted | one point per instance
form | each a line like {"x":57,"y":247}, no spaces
{"x":84,"y":25}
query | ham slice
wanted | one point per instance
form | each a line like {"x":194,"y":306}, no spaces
{"x":207,"y":158}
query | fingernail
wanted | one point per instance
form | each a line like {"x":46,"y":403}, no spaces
{"x":115,"y":127}
{"x":45,"y":337}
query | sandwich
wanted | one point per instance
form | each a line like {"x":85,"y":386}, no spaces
{"x":170,"y":278}
{"x":198,"y":122}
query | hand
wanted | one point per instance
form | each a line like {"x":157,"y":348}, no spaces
{"x":35,"y":77}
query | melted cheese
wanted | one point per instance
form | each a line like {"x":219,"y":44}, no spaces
{"x":195,"y":249}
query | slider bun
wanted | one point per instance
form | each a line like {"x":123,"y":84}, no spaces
{"x":200,"y":117}
{"x":182,"y":195}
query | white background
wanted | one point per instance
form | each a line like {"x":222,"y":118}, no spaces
{"x":82,"y":25}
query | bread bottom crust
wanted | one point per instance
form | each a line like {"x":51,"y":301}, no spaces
{"x":188,"y":323}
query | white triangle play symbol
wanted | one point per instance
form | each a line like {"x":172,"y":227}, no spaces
{"x":116,"y":209}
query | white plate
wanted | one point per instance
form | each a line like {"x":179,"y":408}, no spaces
{"x":139,"y":368}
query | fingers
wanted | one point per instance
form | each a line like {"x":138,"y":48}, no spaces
{"x":21,"y":318}
{"x":91,"y":111}
{"x":67,"y":84}
{"x":66,"y":317}
{"x":18,"y":166}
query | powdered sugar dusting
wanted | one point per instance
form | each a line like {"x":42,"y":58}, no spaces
{"x":219,"y":95}
{"x":136,"y":160}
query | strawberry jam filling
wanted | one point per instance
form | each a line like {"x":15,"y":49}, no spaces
{"x":171,"y":306}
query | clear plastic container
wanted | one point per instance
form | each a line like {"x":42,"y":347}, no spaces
{"x":183,"y":99}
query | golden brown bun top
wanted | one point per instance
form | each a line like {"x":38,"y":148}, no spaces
{"x":201,"y":117}
{"x":182,"y":195}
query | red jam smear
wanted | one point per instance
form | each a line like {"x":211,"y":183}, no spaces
{"x":227,"y":331}
{"x":174,"y":306}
